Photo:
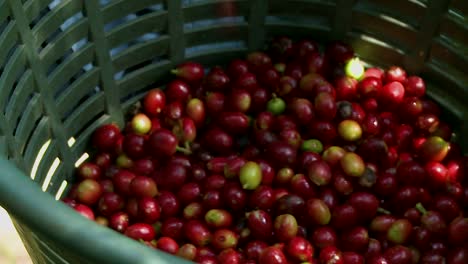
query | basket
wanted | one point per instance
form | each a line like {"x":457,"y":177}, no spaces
{"x":68,"y":66}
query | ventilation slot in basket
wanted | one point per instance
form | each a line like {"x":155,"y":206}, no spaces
{"x":56,"y":20}
{"x":137,"y":43}
{"x":51,"y":172}
{"x":9,"y":43}
{"x":407,"y":12}
{"x":452,"y":38}
{"x":71,"y":69}
{"x":28,"y":121}
{"x":79,"y":90}
{"x":115,"y":12}
{"x":70,"y":36}
{"x":81,"y":159}
{"x":15,"y":120}
{"x":215,"y":36}
{"x":63,"y":45}
{"x":37,"y":146}
{"x":459,"y":8}
{"x":20,"y":103}
{"x":62,"y":190}
{"x":14,"y":70}
{"x":448,"y":55}
{"x":4,"y":23}
{"x":452,"y":60}
{"x":36,"y":13}
{"x":140,"y":54}
{"x":392,"y":24}
{"x":137,"y":36}
{"x":374,"y":51}
{"x":22,"y":95}
{"x":85,"y":114}
{"x":142,"y":25}
{"x":83,"y":134}
{"x":142,"y":78}
{"x":140,"y":65}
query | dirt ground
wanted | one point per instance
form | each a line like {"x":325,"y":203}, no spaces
{"x":12,"y":250}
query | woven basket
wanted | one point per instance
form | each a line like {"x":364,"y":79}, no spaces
{"x":68,"y":66}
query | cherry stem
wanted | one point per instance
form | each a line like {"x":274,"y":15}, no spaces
{"x":186,"y":149}
{"x":383,"y":211}
{"x":187,"y":145}
{"x":421,"y":208}
{"x":175,"y":71}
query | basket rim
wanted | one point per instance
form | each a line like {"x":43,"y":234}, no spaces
{"x":26,"y":203}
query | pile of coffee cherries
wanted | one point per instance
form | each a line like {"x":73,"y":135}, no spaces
{"x":295,"y":154}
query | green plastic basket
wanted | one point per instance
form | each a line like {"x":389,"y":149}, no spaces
{"x":68,"y":66}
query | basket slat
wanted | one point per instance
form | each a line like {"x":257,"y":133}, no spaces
{"x":33,"y":8}
{"x":71,"y":66}
{"x":3,"y":11}
{"x":342,"y":19}
{"x":176,"y":30}
{"x":385,"y":30}
{"x":374,"y":51}
{"x":409,"y":12}
{"x":26,"y":125}
{"x":9,"y":38}
{"x":94,"y":106}
{"x":64,"y":42}
{"x":154,"y":22}
{"x":215,"y":34}
{"x":39,"y":75}
{"x":12,"y":72}
{"x":318,"y":29}
{"x":120,"y":8}
{"x":54,"y":18}
{"x":429,"y":26}
{"x":80,"y":88}
{"x":257,"y":14}
{"x":141,"y":52}
{"x":103,"y":61}
{"x":143,"y":77}
{"x":82,"y":139}
{"x":20,"y":98}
